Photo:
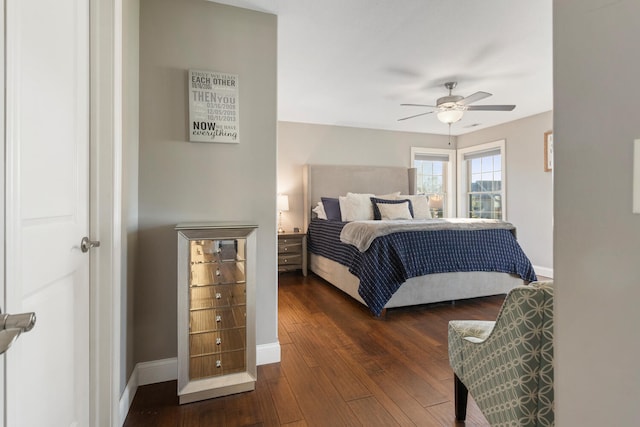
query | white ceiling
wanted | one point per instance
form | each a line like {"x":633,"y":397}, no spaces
{"x":353,"y":62}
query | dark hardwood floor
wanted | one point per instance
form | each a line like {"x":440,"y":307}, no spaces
{"x":340,"y":367}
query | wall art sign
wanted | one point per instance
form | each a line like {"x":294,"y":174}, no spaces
{"x":213,"y":107}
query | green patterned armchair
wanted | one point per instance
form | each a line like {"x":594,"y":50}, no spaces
{"x":507,"y":365}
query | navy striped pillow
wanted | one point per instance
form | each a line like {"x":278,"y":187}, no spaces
{"x":376,"y":210}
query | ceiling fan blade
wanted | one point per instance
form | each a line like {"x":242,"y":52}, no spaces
{"x":418,"y":105}
{"x":417,"y":115}
{"x":491,"y":107}
{"x":473,"y":98}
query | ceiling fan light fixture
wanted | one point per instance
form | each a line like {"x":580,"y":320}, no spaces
{"x":450,"y":116}
{"x":450,"y":109}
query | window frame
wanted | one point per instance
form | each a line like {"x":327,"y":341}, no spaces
{"x":450,"y":186}
{"x":463,"y":174}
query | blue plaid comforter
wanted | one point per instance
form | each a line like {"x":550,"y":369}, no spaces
{"x":393,"y":259}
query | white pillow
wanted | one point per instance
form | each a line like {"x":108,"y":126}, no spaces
{"x":319,"y":210}
{"x":420,"y":204}
{"x":356,"y":207}
{"x":390,"y":196}
{"x":394,"y":210}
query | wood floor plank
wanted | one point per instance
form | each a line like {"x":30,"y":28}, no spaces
{"x":383,"y":385}
{"x":155,"y":405}
{"x":266,"y":399}
{"x":283,"y":335}
{"x":284,"y":400}
{"x":371,"y":413}
{"x":319,"y":401}
{"x":269,"y":372}
{"x":312,"y":339}
{"x":307,"y":353}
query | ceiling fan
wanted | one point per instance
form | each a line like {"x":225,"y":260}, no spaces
{"x":451,"y":108}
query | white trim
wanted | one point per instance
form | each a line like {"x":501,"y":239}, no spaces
{"x":127,"y":397}
{"x":462,"y":175}
{"x":451,"y":187}
{"x":2,"y":199}
{"x":543,"y":271}
{"x":268,"y":353}
{"x":106,"y":202}
{"x":157,"y":371}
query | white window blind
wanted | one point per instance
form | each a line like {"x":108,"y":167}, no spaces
{"x":431,"y":157}
{"x":480,"y":154}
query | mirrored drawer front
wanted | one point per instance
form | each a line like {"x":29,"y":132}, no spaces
{"x":289,"y":259}
{"x":217,"y":273}
{"x":217,"y":342}
{"x":218,"y":296}
{"x":217,"y":250}
{"x":290,"y":246}
{"x":218,"y":364}
{"x":216,"y":319}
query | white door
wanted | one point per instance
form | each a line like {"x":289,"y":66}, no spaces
{"x":46,"y":198}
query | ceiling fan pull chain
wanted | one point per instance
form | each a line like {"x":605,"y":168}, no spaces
{"x":449,"y":133}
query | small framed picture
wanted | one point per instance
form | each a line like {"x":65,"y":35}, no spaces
{"x":548,"y":151}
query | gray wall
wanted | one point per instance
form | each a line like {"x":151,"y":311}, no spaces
{"x":529,"y":187}
{"x":181,"y":181}
{"x":130,"y":132}
{"x":597,"y":238}
{"x":302,"y":143}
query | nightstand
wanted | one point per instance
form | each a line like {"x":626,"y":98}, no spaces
{"x":292,"y":252}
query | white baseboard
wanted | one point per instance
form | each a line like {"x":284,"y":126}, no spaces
{"x":127,"y":397}
{"x":268,"y":353}
{"x":158,"y":371}
{"x":543,"y":271}
{"x":144,"y":373}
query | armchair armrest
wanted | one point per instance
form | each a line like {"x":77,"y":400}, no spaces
{"x":472,"y":330}
{"x":509,"y":361}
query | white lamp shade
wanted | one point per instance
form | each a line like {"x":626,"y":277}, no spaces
{"x":283,"y":202}
{"x":450,"y":116}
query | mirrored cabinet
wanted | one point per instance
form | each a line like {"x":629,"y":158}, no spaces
{"x":216,"y":310}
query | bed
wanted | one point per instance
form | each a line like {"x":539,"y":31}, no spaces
{"x":336,"y":180}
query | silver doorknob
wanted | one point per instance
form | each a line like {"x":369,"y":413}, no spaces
{"x":87,"y":244}
{"x":12,"y":325}
{"x":23,"y":321}
{"x":8,"y":337}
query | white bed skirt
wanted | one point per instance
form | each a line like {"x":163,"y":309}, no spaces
{"x":423,"y":289}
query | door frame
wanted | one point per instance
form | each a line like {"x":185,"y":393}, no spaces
{"x":105,"y":210}
{"x":105,"y":23}
{"x":2,"y":198}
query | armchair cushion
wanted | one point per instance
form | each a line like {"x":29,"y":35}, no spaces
{"x":507,"y":365}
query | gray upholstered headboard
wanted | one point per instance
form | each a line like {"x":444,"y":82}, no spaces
{"x":336,"y":180}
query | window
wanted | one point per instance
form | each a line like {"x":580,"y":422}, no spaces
{"x":482,"y":181}
{"x":435,"y":178}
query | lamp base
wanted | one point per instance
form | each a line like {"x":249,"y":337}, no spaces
{"x":280,"y":229}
